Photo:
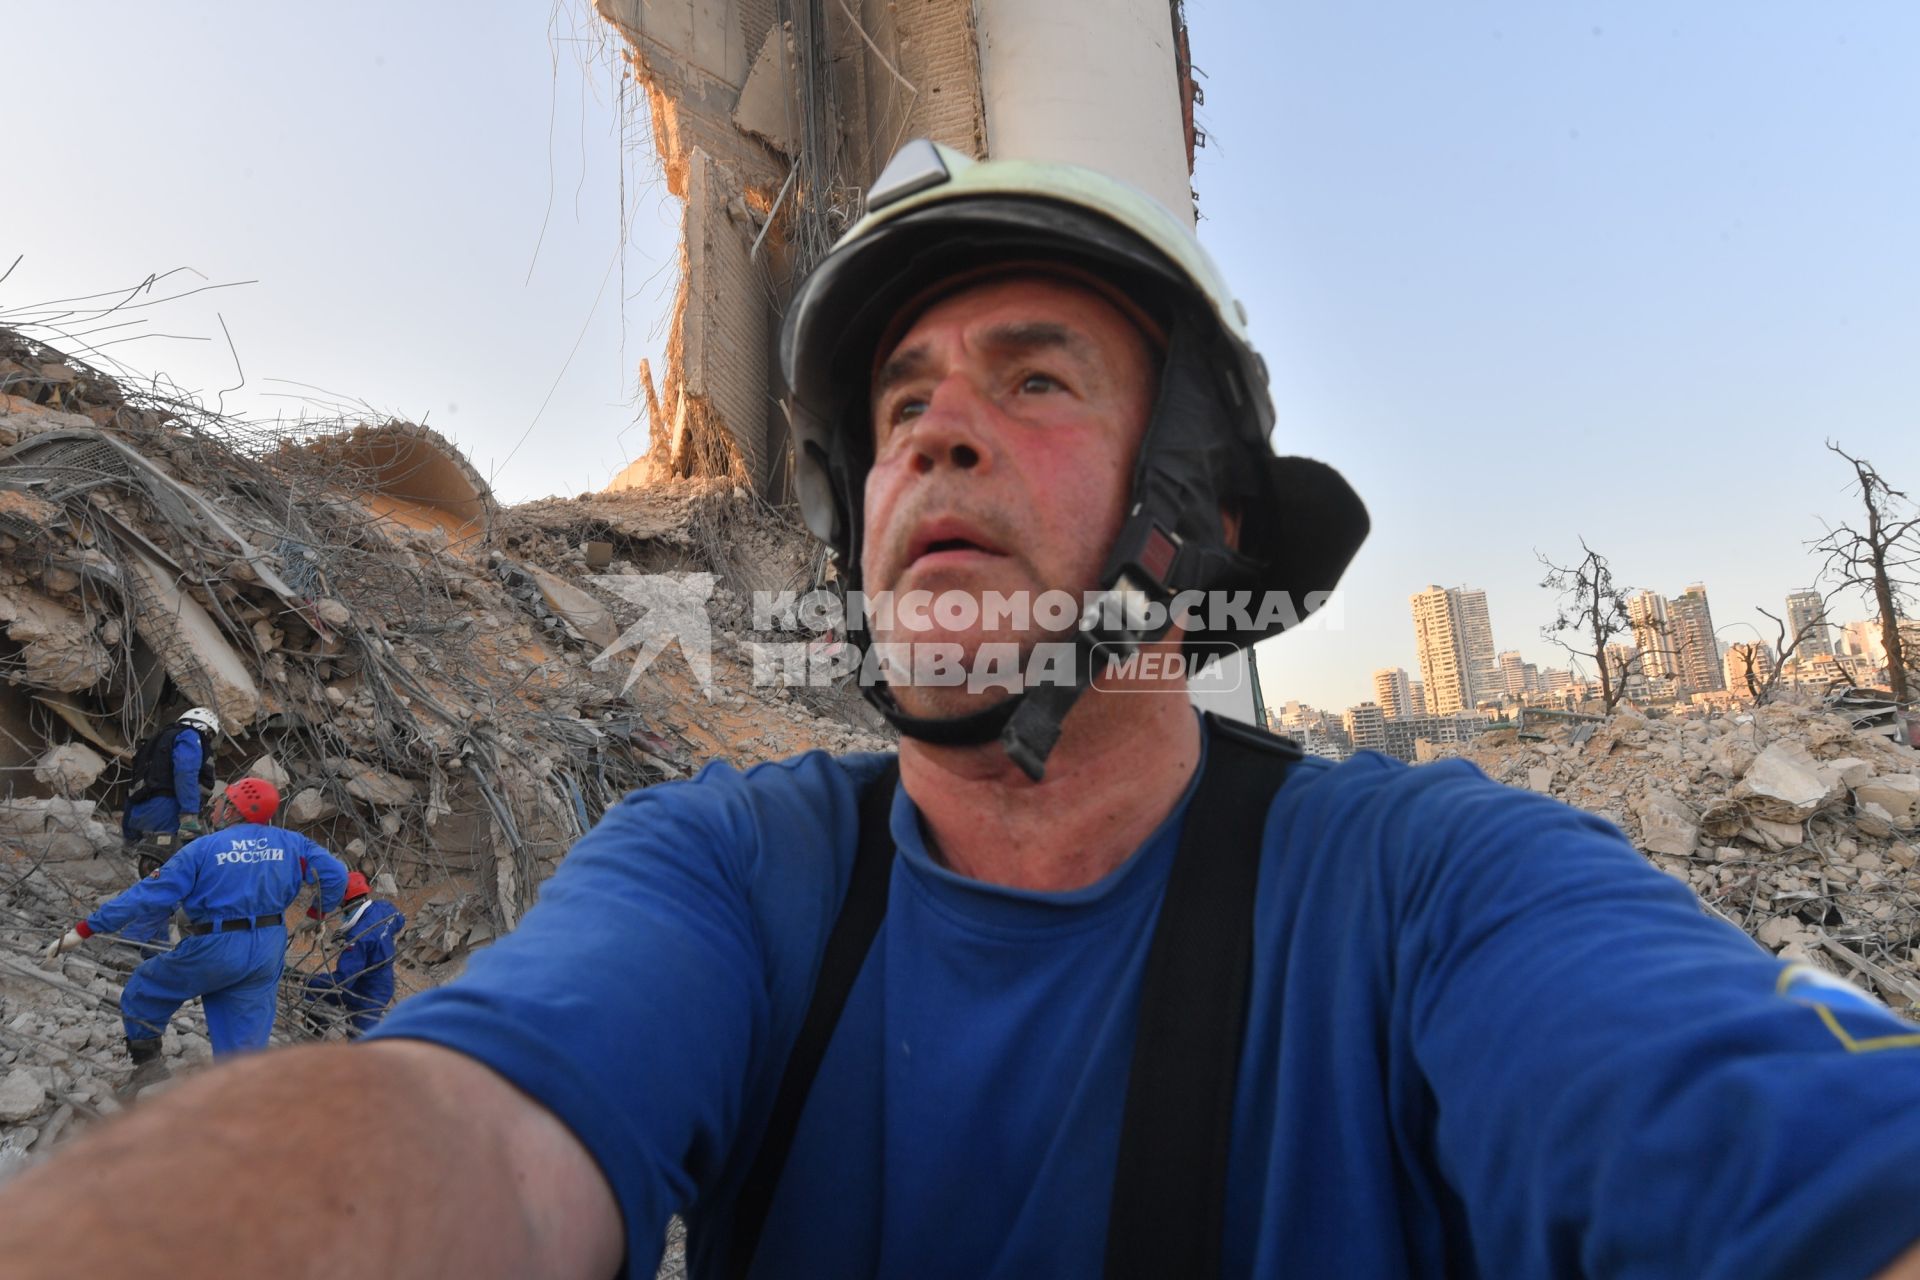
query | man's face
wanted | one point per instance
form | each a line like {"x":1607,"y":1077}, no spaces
{"x":1006,"y":421}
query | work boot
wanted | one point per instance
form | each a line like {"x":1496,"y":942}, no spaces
{"x":148,"y":1067}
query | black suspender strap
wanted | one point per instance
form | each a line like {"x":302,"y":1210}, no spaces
{"x":1167,"y":1214}
{"x":853,"y":931}
{"x":1169,"y":1187}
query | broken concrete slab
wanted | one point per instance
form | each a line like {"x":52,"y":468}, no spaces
{"x":373,"y":786}
{"x":1668,"y":825}
{"x":21,"y":1096}
{"x":267,"y":769}
{"x":311,"y":805}
{"x":1786,"y":784}
{"x":1730,"y":755}
{"x":58,"y":828}
{"x":587,"y":617}
{"x":58,"y":648}
{"x":69,"y":769}
{"x":190,"y":643}
{"x":769,"y":104}
{"x":1851,"y":770}
{"x":1897,"y":795}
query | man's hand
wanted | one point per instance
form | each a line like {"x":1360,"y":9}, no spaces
{"x":191,"y":826}
{"x":61,"y":945}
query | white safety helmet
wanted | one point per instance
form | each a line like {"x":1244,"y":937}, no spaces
{"x":935,"y":219}
{"x":205,"y":719}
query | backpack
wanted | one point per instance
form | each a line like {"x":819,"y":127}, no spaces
{"x":153,"y":764}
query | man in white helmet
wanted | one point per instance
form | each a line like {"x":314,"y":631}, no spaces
{"x":172,"y":777}
{"x":1081,"y":984}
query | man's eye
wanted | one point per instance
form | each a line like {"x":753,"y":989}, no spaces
{"x":1036,"y":383}
{"x":912,"y":407}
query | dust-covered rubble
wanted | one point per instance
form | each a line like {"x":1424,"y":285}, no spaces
{"x":1783,"y":819}
{"x":433,"y":681}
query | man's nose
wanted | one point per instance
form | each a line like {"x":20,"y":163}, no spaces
{"x":950,"y":432}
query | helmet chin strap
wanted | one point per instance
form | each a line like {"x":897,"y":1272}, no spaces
{"x":1028,"y":724}
{"x":975,"y":729}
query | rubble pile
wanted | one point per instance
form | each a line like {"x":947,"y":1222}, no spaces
{"x":435,"y":683}
{"x":1784,"y":819}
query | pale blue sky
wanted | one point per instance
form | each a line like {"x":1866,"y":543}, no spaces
{"x":1526,"y":272}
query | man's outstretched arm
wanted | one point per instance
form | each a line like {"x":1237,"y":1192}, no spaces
{"x":397,"y":1158}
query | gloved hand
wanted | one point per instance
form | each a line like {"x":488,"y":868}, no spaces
{"x":191,"y":826}
{"x":61,"y":945}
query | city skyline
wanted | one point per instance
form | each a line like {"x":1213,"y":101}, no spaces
{"x":1525,"y":274}
{"x":1372,"y":685}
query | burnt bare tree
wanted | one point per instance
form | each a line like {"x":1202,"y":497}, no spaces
{"x":1881,"y":560}
{"x":1592,"y":611}
{"x":1762,"y":680}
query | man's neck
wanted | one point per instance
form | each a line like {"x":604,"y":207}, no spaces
{"x":1122,"y":763}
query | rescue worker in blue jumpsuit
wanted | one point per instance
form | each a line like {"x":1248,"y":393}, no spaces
{"x":361,"y":983}
{"x":172,"y":770}
{"x":235,"y":885}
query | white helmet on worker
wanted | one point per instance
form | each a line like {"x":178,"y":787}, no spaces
{"x":938,"y":220}
{"x":205,"y":719}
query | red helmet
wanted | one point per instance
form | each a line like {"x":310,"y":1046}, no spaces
{"x":357,"y":886}
{"x":254,"y":799}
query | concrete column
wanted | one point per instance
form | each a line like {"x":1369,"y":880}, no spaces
{"x":1090,"y":82}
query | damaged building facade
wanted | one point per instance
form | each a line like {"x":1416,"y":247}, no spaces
{"x":772,"y":118}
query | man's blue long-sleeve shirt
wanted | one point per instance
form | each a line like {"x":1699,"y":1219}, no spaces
{"x":241,"y":872}
{"x":188,"y":755}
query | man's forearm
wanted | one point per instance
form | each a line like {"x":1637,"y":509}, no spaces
{"x":389,"y":1159}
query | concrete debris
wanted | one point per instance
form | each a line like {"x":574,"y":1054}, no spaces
{"x":1785,"y":820}
{"x":1897,"y":797}
{"x":1668,"y":826}
{"x":1786,"y":783}
{"x":57,"y":828}
{"x":21,"y":1096}
{"x":310,"y":806}
{"x":267,"y":769}
{"x":58,"y":649}
{"x":189,"y":642}
{"x":408,"y":662}
{"x":69,"y":769}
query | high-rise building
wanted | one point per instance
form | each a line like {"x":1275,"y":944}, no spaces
{"x":1417,"y":696}
{"x":1651,"y":634}
{"x":1393,"y":692}
{"x":1807,"y":621}
{"x":1454,"y":640}
{"x":1366,"y":727}
{"x":1476,"y":631}
{"x":1513,"y":674}
{"x":1696,"y":653}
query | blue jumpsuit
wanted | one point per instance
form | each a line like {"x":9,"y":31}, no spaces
{"x":240,"y":873}
{"x":362,"y":978}
{"x":161,"y":814}
{"x":149,"y":927}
